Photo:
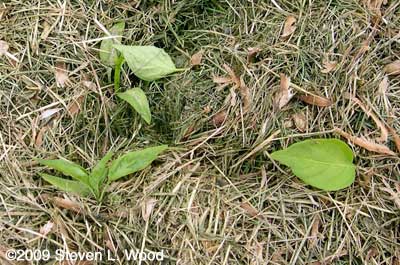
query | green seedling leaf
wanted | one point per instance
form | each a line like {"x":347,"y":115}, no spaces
{"x":149,"y":63}
{"x":138,"y":100}
{"x":68,"y":168}
{"x":326,"y":164}
{"x":134,"y":161}
{"x":108,"y":54}
{"x":66,"y":185}
{"x":99,"y":173}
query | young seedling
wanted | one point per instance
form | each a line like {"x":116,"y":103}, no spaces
{"x":95,"y":182}
{"x":149,"y":63}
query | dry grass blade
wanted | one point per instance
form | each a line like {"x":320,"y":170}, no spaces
{"x":379,"y":123}
{"x":196,"y":58}
{"x":289,"y":27}
{"x":316,"y":100}
{"x":366,"y":144}
{"x":393,"y":68}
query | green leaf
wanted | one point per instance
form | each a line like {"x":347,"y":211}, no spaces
{"x":99,"y":173}
{"x":138,"y":100}
{"x":147,"y":62}
{"x":108,"y":54}
{"x":326,"y":164}
{"x":66,"y":185}
{"x":134,"y":161}
{"x":68,"y":168}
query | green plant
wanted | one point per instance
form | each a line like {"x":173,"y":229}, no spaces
{"x":149,"y":63}
{"x":326,"y":164}
{"x":96,"y":181}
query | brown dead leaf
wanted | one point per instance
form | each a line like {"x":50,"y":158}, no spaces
{"x":289,"y":26}
{"x":44,"y":230}
{"x":328,"y":66}
{"x":74,"y":107}
{"x":46,"y":30}
{"x":393,"y":68}
{"x":245,"y":95}
{"x":61,"y":74}
{"x":39,"y":136}
{"x":395,"y":194}
{"x":147,"y":208}
{"x":372,"y":252}
{"x":316,"y":100}
{"x":285,"y":93}
{"x":196,"y":58}
{"x":219,"y":118}
{"x":366,"y":144}
{"x":379,"y":123}
{"x":221,"y":79}
{"x":66,"y":204}
{"x":3,"y":47}
{"x":234,"y":78}
{"x":314,"y":231}
{"x":300,"y":121}
{"x":396,"y":137}
{"x":250,"y":210}
{"x":251,"y":53}
{"x":383,"y":86}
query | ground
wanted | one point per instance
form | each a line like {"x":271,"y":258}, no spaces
{"x":217,"y":196}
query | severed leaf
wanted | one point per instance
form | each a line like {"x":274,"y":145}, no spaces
{"x":149,"y":63}
{"x":328,"y":66}
{"x":3,"y":47}
{"x":68,"y":168}
{"x":108,"y":54}
{"x":147,"y":208}
{"x":66,"y":185}
{"x":134,"y":161}
{"x":138,"y":100}
{"x":326,"y":164}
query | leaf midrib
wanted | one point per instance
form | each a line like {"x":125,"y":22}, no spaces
{"x":321,"y":162}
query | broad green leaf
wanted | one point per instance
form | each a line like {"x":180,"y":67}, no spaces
{"x":326,"y":164}
{"x":66,"y":185}
{"x":138,"y":100}
{"x":147,"y":62}
{"x":134,"y":161}
{"x":68,"y":168}
{"x":108,"y":54}
{"x":99,"y":173}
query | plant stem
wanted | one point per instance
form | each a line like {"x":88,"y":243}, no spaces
{"x":117,"y":72}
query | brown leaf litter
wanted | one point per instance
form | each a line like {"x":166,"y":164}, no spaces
{"x":284,"y":94}
{"x":289,"y":26}
{"x":196,"y":58}
{"x":316,"y":100}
